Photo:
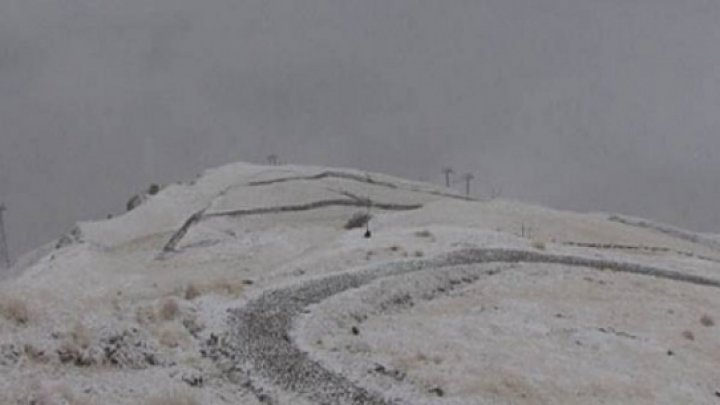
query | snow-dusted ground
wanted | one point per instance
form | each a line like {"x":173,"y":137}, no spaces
{"x":108,"y":317}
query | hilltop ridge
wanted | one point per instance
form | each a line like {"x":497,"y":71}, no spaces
{"x":182,"y":296}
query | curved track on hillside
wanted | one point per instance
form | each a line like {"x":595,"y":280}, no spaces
{"x":260,"y":342}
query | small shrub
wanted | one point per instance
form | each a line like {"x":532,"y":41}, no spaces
{"x":153,"y":189}
{"x":419,"y":253}
{"x":358,"y":220}
{"x":438,"y":391}
{"x":169,"y":309}
{"x":81,"y":335}
{"x":68,"y":352}
{"x":34,"y":353}
{"x":424,"y":234}
{"x":707,"y":320}
{"x":232,"y":288}
{"x":688,"y":335}
{"x":176,"y":397}
{"x":193,"y":325}
{"x":223,"y":286}
{"x":192,"y":292}
{"x":539,"y":245}
{"x":16,"y":310}
{"x":172,"y":336}
{"x":145,"y":315}
{"x":133,"y":202}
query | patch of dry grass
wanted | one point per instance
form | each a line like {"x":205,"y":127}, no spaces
{"x":172,"y":335}
{"x":192,"y":291}
{"x":228,"y":287}
{"x":35,"y":354}
{"x":176,"y":397}
{"x":51,"y":393}
{"x":15,"y":310}
{"x":81,"y":335}
{"x":707,"y":321}
{"x":169,"y":309}
{"x":221,"y":286}
{"x":424,"y":234}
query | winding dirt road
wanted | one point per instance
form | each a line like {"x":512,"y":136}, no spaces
{"x":260,"y":342}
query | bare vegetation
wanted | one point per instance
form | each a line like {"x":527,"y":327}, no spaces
{"x":191,"y":292}
{"x":52,"y":393}
{"x":358,"y":220}
{"x":223,"y":286}
{"x":15,"y":309}
{"x":176,"y":397}
{"x":34,"y":353}
{"x":172,"y":335}
{"x":169,"y":309}
{"x":707,"y":320}
{"x":81,"y":335}
{"x":228,"y":287}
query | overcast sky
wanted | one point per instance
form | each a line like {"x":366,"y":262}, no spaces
{"x":607,"y":105}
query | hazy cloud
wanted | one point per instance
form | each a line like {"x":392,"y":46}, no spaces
{"x":585,"y":104}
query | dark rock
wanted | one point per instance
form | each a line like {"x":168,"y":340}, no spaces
{"x":438,"y":391}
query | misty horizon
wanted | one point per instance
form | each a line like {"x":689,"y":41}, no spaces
{"x":581,"y":105}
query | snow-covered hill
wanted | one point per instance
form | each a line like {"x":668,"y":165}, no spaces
{"x":245,"y":287}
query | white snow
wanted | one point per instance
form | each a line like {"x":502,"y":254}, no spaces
{"x":110,"y":280}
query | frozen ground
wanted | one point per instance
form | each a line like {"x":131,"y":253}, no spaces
{"x":244,"y":287}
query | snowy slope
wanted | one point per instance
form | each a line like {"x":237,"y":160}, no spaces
{"x":451,"y":301}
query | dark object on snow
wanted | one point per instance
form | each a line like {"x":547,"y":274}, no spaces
{"x":358,"y":220}
{"x":134,"y":202}
{"x":154,"y":189}
{"x":438,"y":391}
{"x":368,"y":234}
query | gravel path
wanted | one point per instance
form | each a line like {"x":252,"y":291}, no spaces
{"x":259,"y":340}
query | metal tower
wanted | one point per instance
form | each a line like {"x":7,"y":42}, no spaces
{"x":4,"y":255}
{"x":468,"y":178}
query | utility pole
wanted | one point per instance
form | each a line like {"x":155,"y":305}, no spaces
{"x":468,"y":178}
{"x":447,"y":171}
{"x":4,"y":255}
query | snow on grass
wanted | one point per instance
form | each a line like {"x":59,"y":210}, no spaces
{"x":107,"y":286}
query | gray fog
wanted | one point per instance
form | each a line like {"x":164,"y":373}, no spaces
{"x":605,"y":105}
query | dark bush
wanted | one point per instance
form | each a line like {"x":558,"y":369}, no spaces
{"x":133,"y":203}
{"x":358,"y":220}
